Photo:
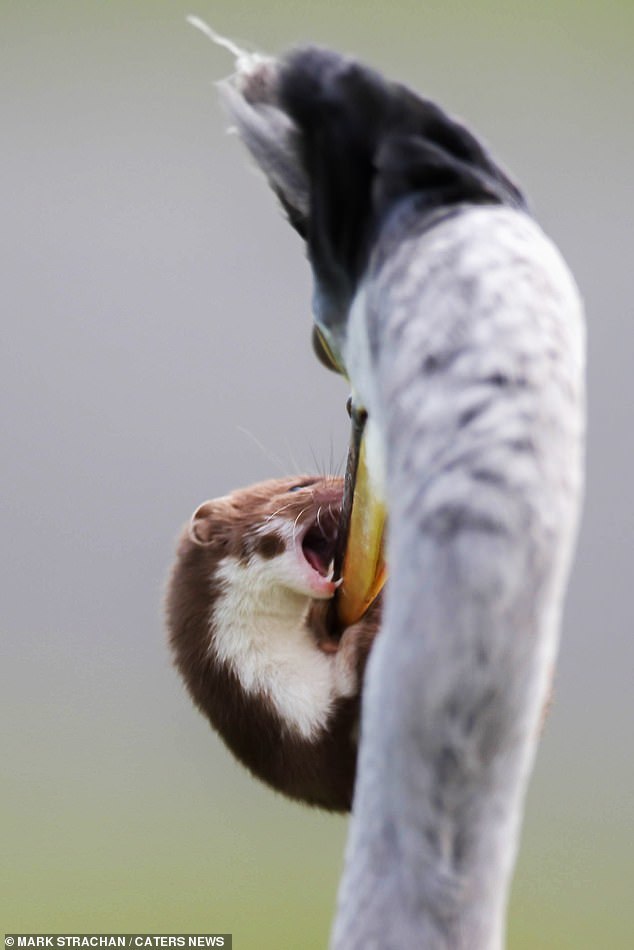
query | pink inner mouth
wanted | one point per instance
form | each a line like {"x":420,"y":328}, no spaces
{"x":318,"y":543}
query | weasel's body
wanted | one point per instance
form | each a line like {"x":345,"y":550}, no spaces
{"x":245,"y":609}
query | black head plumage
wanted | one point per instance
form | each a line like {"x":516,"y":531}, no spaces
{"x":368,"y":145}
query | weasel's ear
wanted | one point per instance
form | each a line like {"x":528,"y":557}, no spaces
{"x":211,"y":525}
{"x":203,"y":525}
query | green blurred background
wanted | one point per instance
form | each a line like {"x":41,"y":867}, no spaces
{"x":155,"y":352}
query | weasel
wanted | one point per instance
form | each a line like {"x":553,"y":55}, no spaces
{"x":246,"y":609}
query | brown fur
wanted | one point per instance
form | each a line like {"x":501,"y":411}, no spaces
{"x":320,"y":771}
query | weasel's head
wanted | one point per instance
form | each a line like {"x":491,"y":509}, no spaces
{"x":282,"y":531}
{"x":251,"y":568}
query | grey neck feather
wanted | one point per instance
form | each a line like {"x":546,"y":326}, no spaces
{"x":473,"y":367}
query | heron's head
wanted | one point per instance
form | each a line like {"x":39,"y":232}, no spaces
{"x":350,"y":154}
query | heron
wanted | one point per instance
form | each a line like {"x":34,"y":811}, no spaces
{"x":460,"y":330}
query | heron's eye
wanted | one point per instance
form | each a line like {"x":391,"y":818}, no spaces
{"x":324,"y":353}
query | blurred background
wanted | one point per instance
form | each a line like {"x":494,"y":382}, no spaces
{"x":155,"y":352}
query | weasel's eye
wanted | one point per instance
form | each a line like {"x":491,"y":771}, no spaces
{"x":300,"y":485}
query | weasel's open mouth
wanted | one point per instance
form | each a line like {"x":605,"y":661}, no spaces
{"x":319,"y":541}
{"x":316,"y":545}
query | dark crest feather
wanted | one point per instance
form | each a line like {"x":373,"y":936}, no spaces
{"x":366,"y":145}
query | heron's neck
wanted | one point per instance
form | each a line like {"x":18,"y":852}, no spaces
{"x":477,"y":433}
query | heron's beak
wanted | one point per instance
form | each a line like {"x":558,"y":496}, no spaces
{"x":362,"y":565}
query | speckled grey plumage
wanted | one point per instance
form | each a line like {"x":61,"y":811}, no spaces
{"x":476,"y":356}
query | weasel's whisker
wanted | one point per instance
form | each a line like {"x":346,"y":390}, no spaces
{"x":293,"y":460}
{"x":297,"y":519}
{"x":271,"y":456}
{"x":319,"y":467}
{"x":277,"y":511}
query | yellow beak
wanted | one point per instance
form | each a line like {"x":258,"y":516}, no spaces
{"x":364,"y":570}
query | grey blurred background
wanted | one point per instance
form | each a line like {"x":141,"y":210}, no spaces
{"x":155,"y":352}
